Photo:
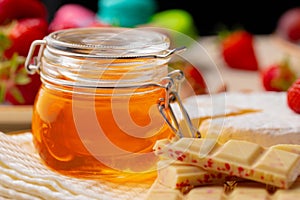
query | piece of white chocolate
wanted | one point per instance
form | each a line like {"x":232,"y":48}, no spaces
{"x":272,"y":166}
{"x":293,"y":193}
{"x":165,"y":195}
{"x":288,"y":147}
{"x":178,"y":175}
{"x":244,"y":190}
{"x":160,"y":192}
{"x":206,"y":193}
{"x":217,"y":193}
{"x":248,"y":194}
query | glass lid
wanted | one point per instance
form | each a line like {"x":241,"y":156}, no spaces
{"x":110,"y":42}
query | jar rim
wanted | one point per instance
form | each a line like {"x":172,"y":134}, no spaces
{"x":110,"y":42}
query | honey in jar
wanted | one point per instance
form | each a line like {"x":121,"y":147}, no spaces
{"x":96,"y":113}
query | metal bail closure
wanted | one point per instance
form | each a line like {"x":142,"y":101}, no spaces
{"x":30,"y":67}
{"x":173,"y":82}
{"x":171,"y":52}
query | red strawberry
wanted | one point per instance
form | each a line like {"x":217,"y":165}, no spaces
{"x":193,"y":76}
{"x":16,"y":86}
{"x":22,"y":33}
{"x":74,"y":16}
{"x":17,"y":9}
{"x":293,"y":96}
{"x":288,"y":25}
{"x":24,"y":94}
{"x":237,"y":50}
{"x":278,"y":77}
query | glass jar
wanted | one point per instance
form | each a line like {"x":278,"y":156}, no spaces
{"x":97,"y":110}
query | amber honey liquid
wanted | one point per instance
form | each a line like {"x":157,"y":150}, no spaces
{"x":106,"y":135}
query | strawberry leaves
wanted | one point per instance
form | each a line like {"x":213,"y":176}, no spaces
{"x":10,"y":72}
{"x":5,"y":43}
{"x":17,"y":87}
{"x":11,"y":75}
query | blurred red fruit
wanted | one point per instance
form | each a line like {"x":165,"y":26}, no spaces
{"x":288,"y":25}
{"x":195,"y":83}
{"x":16,"y":86}
{"x":22,"y":33}
{"x":19,"y":9}
{"x":293,"y":96}
{"x":237,"y":50}
{"x":74,"y":16}
{"x":278,"y":77}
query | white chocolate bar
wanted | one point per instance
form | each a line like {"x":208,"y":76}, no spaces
{"x":162,"y":192}
{"x":293,"y":193}
{"x":207,"y":193}
{"x":165,"y":195}
{"x":177,"y":175}
{"x":273,"y":166}
{"x":288,"y":147}
{"x":247,"y":190}
{"x":217,"y":193}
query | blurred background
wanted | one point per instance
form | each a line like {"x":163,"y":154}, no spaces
{"x":258,"y":17}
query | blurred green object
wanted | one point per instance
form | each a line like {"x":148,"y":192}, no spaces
{"x":177,"y":20}
{"x":126,"y":13}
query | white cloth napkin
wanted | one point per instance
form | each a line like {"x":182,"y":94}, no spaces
{"x":24,"y":176}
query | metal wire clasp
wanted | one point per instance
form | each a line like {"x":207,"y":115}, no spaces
{"x":172,"y":86}
{"x":30,"y":67}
